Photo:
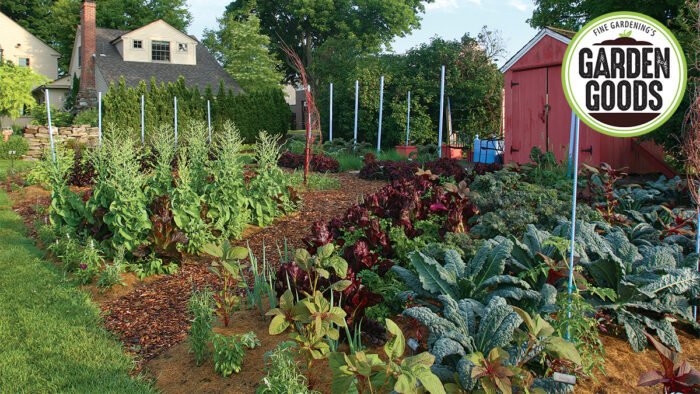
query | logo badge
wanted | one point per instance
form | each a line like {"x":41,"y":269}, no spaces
{"x":624,"y":74}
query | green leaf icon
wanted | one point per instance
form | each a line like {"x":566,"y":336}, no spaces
{"x":626,"y":33}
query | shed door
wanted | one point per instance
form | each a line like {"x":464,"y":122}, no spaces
{"x":528,"y":118}
{"x":559,"y":124}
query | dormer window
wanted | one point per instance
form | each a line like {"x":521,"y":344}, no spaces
{"x":138,"y":44}
{"x":160,"y":51}
{"x":181,"y":47}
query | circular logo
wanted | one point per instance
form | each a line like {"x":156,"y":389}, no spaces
{"x":624,"y":74}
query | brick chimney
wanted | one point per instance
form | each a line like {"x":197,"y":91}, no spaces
{"x":87,"y":94}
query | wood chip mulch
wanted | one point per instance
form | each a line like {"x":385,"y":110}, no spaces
{"x":153,"y":317}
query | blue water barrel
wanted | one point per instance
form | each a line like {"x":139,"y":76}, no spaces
{"x":488,"y":151}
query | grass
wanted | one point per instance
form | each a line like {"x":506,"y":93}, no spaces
{"x":316,"y":181}
{"x":51,"y":339}
{"x":349,"y":161}
{"x":19,"y":166}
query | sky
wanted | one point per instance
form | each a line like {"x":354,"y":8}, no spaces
{"x":449,"y":19}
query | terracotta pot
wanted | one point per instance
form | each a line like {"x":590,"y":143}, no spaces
{"x":452,"y":151}
{"x":408,"y":151}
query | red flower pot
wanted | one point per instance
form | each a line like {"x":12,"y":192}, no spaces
{"x":452,"y":151}
{"x":408,"y":151}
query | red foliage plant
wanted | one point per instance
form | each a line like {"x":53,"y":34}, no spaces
{"x":677,"y":376}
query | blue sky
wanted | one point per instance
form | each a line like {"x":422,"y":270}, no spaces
{"x":449,"y":19}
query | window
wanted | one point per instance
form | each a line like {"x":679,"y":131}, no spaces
{"x":24,"y":62}
{"x":160,"y":51}
{"x":138,"y":44}
{"x":181,"y":47}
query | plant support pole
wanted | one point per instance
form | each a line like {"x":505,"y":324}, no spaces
{"x":571,"y":143}
{"x":381,"y":105}
{"x":209,"y":119}
{"x":573,"y":219}
{"x":357,"y":96}
{"x":175,"y":104}
{"x":697,"y":251}
{"x":48,"y":116}
{"x":99,"y":118}
{"x":442,"y":109}
{"x":330,"y":120}
{"x":143,"y":124}
{"x":408,"y":117}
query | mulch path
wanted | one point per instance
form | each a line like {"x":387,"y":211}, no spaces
{"x":153,"y":317}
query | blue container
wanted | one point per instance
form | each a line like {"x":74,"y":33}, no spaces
{"x":488,"y":151}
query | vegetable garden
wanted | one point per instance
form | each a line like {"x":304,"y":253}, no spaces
{"x":218,"y":270}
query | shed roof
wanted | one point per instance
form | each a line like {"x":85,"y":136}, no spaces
{"x":112,"y":66}
{"x":562,"y":35}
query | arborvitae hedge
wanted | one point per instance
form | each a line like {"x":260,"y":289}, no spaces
{"x":251,"y":112}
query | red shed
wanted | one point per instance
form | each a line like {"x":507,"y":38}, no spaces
{"x":536,"y":111}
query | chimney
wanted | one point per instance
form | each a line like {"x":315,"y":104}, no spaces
{"x":87,"y":95}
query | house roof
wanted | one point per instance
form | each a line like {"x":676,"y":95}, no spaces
{"x":146,"y":26}
{"x":113,"y":67}
{"x":562,"y":35}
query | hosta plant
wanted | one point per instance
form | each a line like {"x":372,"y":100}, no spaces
{"x":363,"y":372}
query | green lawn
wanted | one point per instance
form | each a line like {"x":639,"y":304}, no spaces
{"x":50,"y":334}
{"x":19,"y":166}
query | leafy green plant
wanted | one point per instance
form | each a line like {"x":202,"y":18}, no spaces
{"x":200,"y":307}
{"x":229,"y":271}
{"x":367,"y":372}
{"x":229,"y":351}
{"x":283,"y":374}
{"x":90,"y":262}
{"x":187,"y":207}
{"x":492,"y":374}
{"x":263,"y":282}
{"x":111,"y":274}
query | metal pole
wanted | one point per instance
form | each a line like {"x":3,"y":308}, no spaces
{"x":209,"y":119}
{"x":573,"y":219}
{"x":571,"y":143}
{"x":381,"y":105}
{"x":175,"y":103}
{"x":357,"y":96}
{"x":143,"y":124}
{"x":330,"y":120}
{"x":442,"y":109}
{"x":48,"y":116}
{"x":99,"y":118}
{"x":408,"y":117}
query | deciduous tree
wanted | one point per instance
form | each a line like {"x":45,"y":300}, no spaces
{"x":16,"y":84}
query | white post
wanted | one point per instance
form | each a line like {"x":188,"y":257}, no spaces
{"x":209,"y":119}
{"x":330,"y":120}
{"x":442,"y":109}
{"x":99,"y":118}
{"x":573,"y":218}
{"x":408,"y":117}
{"x":381,"y":105}
{"x":143,"y":124}
{"x":175,"y":104}
{"x":48,"y":117}
{"x":308,"y":112}
{"x":357,"y":96}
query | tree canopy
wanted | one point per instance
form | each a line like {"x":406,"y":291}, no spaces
{"x":305,"y":25}
{"x":16,"y":84}
{"x":472,"y":82}
{"x":55,"y":21}
{"x":243,"y":51}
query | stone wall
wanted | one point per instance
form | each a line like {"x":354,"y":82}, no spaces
{"x":38,"y":137}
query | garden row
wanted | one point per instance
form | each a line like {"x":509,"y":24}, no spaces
{"x":151,"y":204}
{"x":483,"y":264}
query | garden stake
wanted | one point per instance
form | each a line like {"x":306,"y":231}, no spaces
{"x":357,"y":96}
{"x":381,"y":105}
{"x":442,"y":109}
{"x":48,"y":117}
{"x":330,"y":120}
{"x":99,"y":118}
{"x":573,"y":220}
{"x":142,"y":120}
{"x":209,"y":119}
{"x":408,"y":117}
{"x":571,"y":143}
{"x":175,"y":104}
